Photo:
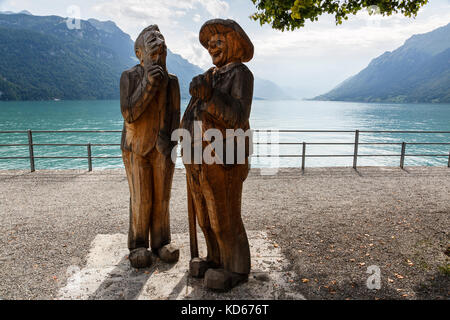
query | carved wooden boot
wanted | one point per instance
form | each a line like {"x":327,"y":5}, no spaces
{"x":169,"y":253}
{"x":223,"y":280}
{"x":198,"y":267}
{"x":140,"y":258}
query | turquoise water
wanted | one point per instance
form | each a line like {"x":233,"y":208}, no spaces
{"x":303,"y":115}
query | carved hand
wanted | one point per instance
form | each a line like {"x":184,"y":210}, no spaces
{"x":156,"y":76}
{"x":201,"y":88}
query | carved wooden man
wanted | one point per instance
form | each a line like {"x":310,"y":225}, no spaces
{"x":221,"y":99}
{"x":150,"y":105}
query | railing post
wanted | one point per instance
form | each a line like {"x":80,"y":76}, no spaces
{"x":303,"y":156}
{"x":402,"y":156}
{"x":355,"y":153}
{"x":89,"y":152}
{"x":448,"y":164}
{"x":31,"y":150}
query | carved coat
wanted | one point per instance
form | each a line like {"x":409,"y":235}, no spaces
{"x":151,"y":124}
{"x":229,"y":106}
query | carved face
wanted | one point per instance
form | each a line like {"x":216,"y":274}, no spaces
{"x":154,"y":50}
{"x":218,"y":50}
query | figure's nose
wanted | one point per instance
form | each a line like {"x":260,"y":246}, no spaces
{"x":212,"y":46}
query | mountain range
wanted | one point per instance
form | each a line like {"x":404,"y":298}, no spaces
{"x":418,"y":71}
{"x":43,"y":59}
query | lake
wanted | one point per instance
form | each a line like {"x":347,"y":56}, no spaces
{"x":292,"y":114}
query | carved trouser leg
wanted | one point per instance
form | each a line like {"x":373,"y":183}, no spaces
{"x":163,"y":169}
{"x":221,"y":191}
{"x":222,"y":188}
{"x":149,"y":180}
{"x":201,"y":212}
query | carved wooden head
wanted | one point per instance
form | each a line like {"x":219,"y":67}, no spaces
{"x":150,"y":47}
{"x":226,"y":42}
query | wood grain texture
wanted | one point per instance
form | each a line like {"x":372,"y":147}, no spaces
{"x":150,"y":105}
{"x":221,"y":99}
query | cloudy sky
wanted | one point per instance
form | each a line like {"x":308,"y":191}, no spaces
{"x":309,"y":61}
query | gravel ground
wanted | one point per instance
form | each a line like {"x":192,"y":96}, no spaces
{"x":331,"y":223}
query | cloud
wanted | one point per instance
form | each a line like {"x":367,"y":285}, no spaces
{"x":164,"y":11}
{"x":2,"y":2}
{"x":215,"y":7}
{"x":321,"y":51}
{"x":360,"y":33}
{"x":140,"y":10}
{"x":321,"y":55}
{"x":192,"y":50}
{"x":176,"y":20}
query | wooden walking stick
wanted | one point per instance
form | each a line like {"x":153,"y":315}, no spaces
{"x":192,"y":226}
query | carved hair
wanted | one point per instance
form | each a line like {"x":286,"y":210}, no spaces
{"x":237,"y":52}
{"x":139,"y":43}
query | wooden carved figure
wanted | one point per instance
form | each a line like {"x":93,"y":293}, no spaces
{"x":221,"y":99}
{"x":150,"y":105}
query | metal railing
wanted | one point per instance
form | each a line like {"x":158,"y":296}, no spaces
{"x":303,"y":155}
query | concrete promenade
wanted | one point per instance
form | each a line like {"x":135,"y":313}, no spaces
{"x":313,"y":235}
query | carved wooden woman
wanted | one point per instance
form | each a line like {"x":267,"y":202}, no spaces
{"x":221,"y":99}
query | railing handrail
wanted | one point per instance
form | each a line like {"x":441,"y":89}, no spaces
{"x":255,"y":130}
{"x":61,"y":131}
{"x":303,"y":155}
